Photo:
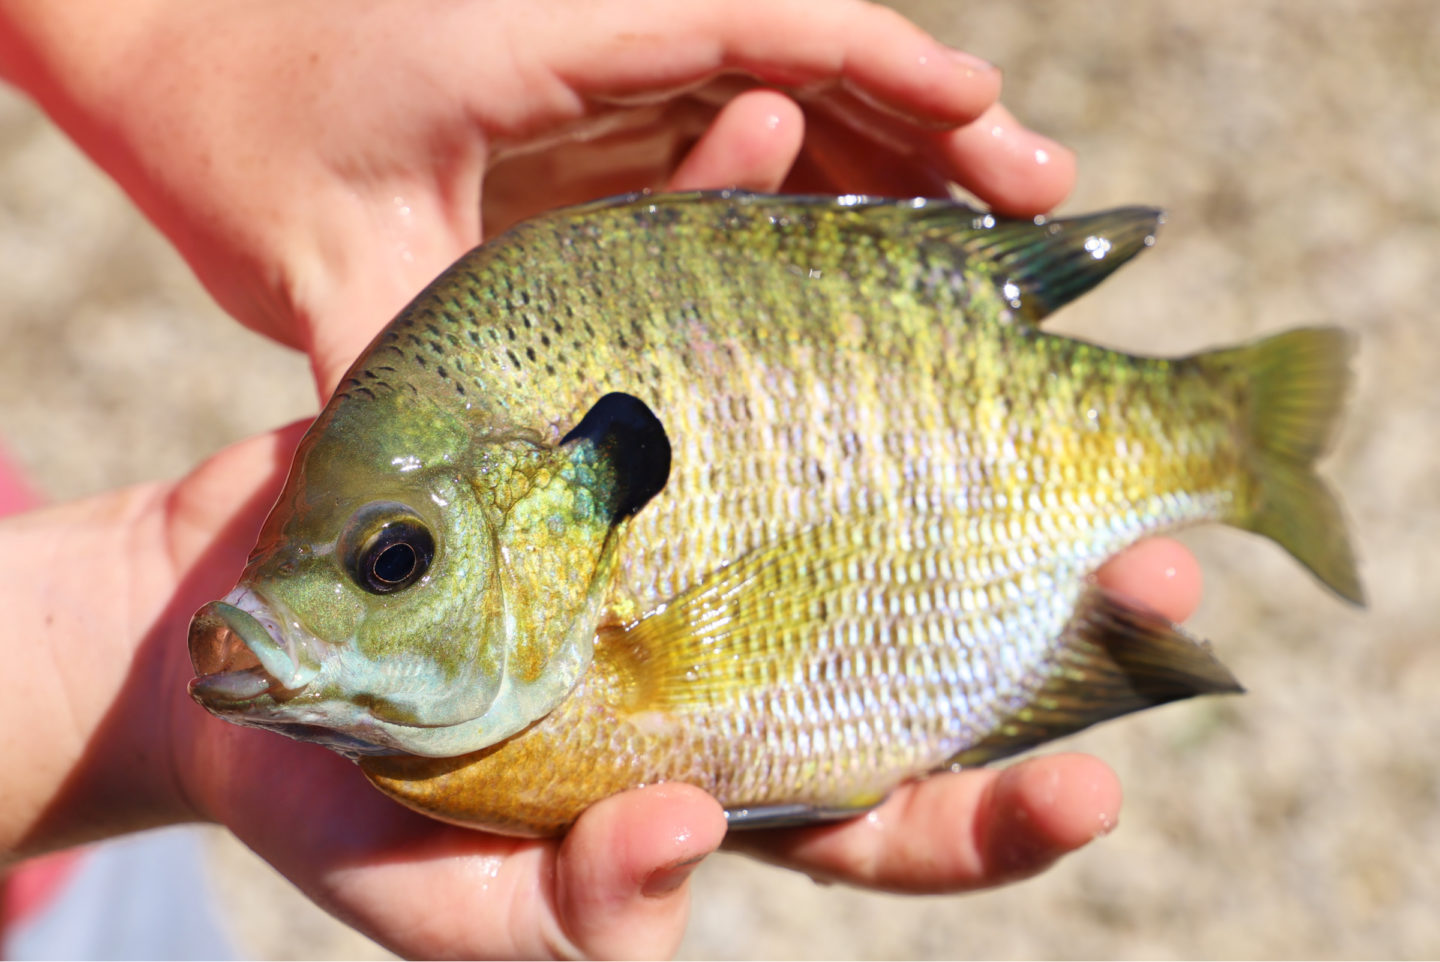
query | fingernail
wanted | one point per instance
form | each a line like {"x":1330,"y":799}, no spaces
{"x":969,"y":61}
{"x":667,"y":879}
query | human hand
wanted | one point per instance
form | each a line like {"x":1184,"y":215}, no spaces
{"x":316,"y":170}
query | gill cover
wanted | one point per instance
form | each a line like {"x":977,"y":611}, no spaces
{"x":609,"y":466}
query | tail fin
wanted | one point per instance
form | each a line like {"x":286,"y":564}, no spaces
{"x":1298,"y":384}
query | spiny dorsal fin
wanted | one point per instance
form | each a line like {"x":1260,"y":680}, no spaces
{"x":1113,"y":659}
{"x":632,"y":441}
{"x":1041,"y":265}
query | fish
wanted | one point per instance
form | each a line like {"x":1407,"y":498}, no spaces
{"x":791,"y":498}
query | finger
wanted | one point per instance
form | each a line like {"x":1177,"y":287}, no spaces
{"x":641,"y":48}
{"x":751,"y":145}
{"x":621,"y":884}
{"x":841,"y":156}
{"x":957,"y":831}
{"x":1017,"y":171}
{"x":1160,"y":574}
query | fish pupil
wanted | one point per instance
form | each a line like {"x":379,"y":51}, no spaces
{"x":394,"y":563}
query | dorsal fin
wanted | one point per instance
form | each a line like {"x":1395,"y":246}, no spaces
{"x":628,"y":436}
{"x":1113,"y":659}
{"x":1041,"y":265}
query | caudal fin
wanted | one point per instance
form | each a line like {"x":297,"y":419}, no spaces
{"x":1298,"y":382}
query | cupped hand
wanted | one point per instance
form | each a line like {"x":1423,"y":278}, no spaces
{"x":318,"y":166}
{"x":616,"y":883}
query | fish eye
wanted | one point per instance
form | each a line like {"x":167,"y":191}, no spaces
{"x":386,"y":547}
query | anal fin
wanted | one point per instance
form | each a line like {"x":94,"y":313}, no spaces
{"x":788,"y":816}
{"x":1114,"y":658}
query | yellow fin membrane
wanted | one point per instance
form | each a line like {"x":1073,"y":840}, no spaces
{"x":1298,"y":384}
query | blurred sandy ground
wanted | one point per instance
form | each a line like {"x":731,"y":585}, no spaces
{"x":1295,"y":146}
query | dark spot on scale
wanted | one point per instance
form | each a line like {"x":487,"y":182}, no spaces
{"x":419,"y":359}
{"x":550,"y":369}
{"x":621,"y":342}
{"x":474,"y":336}
{"x":440,"y":370}
{"x":386,"y":367}
{"x":432,"y":328}
{"x":544,"y":339}
{"x":459,"y":390}
{"x":510,"y":332}
{"x":414,"y":340}
{"x":365,"y":391}
{"x":473,"y":279}
{"x":513,"y":359}
{"x":530,"y":352}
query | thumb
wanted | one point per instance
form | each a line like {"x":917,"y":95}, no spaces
{"x":621,"y":885}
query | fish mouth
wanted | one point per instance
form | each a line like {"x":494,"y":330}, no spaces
{"x":239,"y":656}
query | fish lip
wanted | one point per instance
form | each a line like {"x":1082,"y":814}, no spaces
{"x":240,"y":654}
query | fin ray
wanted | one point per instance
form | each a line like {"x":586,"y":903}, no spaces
{"x":1297,"y":386}
{"x":1113,"y":659}
{"x":1041,"y":265}
{"x":748,"y":817}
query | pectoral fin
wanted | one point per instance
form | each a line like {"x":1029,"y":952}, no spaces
{"x":1113,"y":659}
{"x":743,"y":626}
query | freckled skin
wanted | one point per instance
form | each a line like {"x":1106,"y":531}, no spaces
{"x":888,"y":490}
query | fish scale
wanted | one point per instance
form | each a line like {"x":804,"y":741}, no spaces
{"x":789,"y":498}
{"x":709,"y":524}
